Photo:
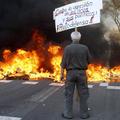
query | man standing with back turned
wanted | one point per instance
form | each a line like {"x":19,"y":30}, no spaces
{"x":75,"y":60}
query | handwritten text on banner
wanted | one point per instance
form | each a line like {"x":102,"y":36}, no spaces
{"x":77,"y":14}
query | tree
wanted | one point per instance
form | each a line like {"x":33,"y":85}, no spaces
{"x":112,"y":8}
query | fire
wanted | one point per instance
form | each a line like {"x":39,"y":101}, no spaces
{"x":27,"y":63}
{"x":43,"y":61}
{"x":115,"y":72}
{"x":21,"y":61}
{"x":56,"y":60}
{"x":98,"y":73}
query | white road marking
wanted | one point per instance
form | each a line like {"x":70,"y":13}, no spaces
{"x":43,"y":95}
{"x":49,"y":94}
{"x":30,"y":82}
{"x":90,"y":86}
{"x":103,"y":84}
{"x":61,"y":84}
{"x":57,"y":84}
{"x":113,"y":87}
{"x":5,"y":81}
{"x":9,"y":118}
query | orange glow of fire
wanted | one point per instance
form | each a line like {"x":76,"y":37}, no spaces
{"x":30,"y":62}
{"x":115,"y":72}
{"x":22,"y":62}
{"x":27,"y":62}
{"x":98,"y":73}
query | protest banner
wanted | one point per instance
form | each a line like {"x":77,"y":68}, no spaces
{"x":96,"y":4}
{"x":76,"y":15}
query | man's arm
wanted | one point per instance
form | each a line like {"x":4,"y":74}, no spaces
{"x":62,"y":74}
{"x":89,"y":57}
{"x":63,"y":65}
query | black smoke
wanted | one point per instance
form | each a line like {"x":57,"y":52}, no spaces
{"x":18,"y":18}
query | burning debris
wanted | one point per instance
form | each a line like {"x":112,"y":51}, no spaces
{"x":98,"y":73}
{"x":43,"y":61}
{"x":39,"y":62}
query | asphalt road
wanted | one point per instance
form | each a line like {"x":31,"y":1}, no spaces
{"x":41,"y":100}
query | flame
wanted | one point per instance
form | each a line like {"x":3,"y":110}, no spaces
{"x":55,"y":61}
{"x":43,"y":61}
{"x":115,"y":73}
{"x":98,"y":73}
{"x":22,"y":62}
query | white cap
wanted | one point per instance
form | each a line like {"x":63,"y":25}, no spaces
{"x":75,"y":35}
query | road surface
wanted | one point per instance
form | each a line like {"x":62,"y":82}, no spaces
{"x":43,"y":100}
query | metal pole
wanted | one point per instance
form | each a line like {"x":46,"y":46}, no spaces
{"x":76,"y":29}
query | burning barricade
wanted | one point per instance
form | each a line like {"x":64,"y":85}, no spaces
{"x":43,"y":61}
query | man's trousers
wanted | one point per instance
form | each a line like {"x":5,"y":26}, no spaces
{"x":76,"y":78}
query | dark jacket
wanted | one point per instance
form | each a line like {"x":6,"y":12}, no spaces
{"x":76,"y":56}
